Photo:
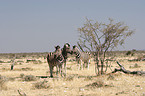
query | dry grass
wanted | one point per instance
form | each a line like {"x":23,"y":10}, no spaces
{"x":3,"y":81}
{"x":29,"y":78}
{"x":41,"y":85}
{"x":77,"y":82}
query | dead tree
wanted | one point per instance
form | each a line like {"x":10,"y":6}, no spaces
{"x":21,"y":94}
{"x":122,"y":69}
{"x":101,"y":38}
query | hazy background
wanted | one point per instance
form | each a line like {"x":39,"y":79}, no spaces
{"x":39,"y":25}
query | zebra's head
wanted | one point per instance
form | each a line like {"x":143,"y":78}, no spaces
{"x":76,"y":51}
{"x":57,"y":47}
{"x":65,"y":50}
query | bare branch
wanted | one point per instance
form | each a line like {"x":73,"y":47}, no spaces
{"x":101,"y":37}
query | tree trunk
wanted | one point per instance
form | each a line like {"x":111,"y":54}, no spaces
{"x":122,"y":69}
{"x":102,"y":65}
{"x":97,"y":67}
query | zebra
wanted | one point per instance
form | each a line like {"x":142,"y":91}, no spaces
{"x":65,"y":50}
{"x":55,"y":59}
{"x":58,"y":59}
{"x":81,"y":57}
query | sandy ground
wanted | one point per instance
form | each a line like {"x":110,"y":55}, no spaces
{"x":77,"y":82}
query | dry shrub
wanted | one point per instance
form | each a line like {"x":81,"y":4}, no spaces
{"x":2,"y":61}
{"x":29,"y":78}
{"x":18,"y":69}
{"x":3,"y":69}
{"x":69,"y":78}
{"x":39,"y":61}
{"x":29,"y":61}
{"x":98,"y":84}
{"x":122,"y":92}
{"x":21,"y":93}
{"x":88,"y":78}
{"x":3,"y":81}
{"x":135,"y":66}
{"x":27,"y":69}
{"x":130,"y":53}
{"x":69,"y":68}
{"x":117,"y":74}
{"x":34,"y":61}
{"x":111,"y":77}
{"x":11,"y":79}
{"x":20,"y":61}
{"x":21,"y":75}
{"x":41,"y":85}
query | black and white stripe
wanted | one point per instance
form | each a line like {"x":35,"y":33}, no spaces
{"x":55,"y":59}
{"x":81,"y":57}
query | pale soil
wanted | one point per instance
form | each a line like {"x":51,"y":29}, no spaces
{"x":75,"y":84}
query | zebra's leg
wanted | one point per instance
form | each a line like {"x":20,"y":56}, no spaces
{"x":51,"y":71}
{"x":88,"y":64}
{"x":57,"y":66}
{"x":84,"y":65}
{"x":81,"y":64}
{"x":61,"y":70}
{"x":78,"y":64}
{"x":64,"y":67}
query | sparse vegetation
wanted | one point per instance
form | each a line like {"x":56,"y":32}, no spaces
{"x":100,"y":38}
{"x":29,"y":78}
{"x":27,"y":69}
{"x":132,"y":52}
{"x":135,"y":66}
{"x":88,"y":78}
{"x":111,"y":77}
{"x":69,"y":78}
{"x":2,"y":61}
{"x":3,"y":81}
{"x":76,"y":83}
{"x":41,"y":85}
{"x":97,"y":84}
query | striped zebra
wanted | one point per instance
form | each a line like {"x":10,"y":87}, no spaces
{"x":81,"y":57}
{"x":58,"y":59}
{"x":55,"y":59}
{"x":65,"y":50}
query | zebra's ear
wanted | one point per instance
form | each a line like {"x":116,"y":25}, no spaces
{"x":67,"y":44}
{"x":74,"y":46}
{"x":57,"y":47}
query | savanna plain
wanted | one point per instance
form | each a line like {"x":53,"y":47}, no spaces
{"x":30,"y":77}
